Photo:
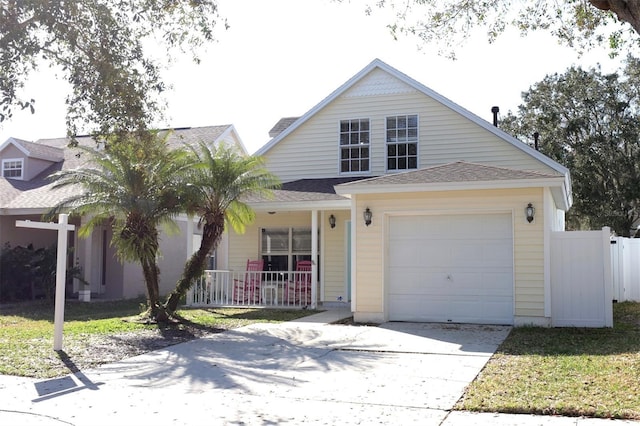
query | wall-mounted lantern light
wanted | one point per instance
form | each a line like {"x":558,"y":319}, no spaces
{"x":529,"y":212}
{"x":332,"y":221}
{"x":367,"y":216}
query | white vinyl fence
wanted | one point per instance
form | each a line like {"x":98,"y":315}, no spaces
{"x":581,"y":279}
{"x":589,"y":271}
{"x":625,"y":261}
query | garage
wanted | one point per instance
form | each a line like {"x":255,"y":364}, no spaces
{"x":450,"y":268}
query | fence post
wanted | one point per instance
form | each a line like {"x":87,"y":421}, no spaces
{"x":608,"y":284}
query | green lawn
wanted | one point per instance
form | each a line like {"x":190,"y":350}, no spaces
{"x":100,"y":332}
{"x":565,"y":371}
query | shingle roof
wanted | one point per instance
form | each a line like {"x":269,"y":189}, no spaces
{"x":459,"y":171}
{"x":38,"y":193}
{"x":325,"y":185}
{"x":191,"y":135}
{"x":41,"y":151}
{"x":281,"y":126}
{"x":305,"y":190}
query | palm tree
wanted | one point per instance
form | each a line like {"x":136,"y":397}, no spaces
{"x":137,"y":184}
{"x":219,"y":185}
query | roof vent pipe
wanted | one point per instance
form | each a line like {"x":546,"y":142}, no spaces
{"x":495,"y":110}
{"x":536,"y":136}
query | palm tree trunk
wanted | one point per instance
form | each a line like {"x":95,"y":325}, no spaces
{"x":151,"y":272}
{"x":194,"y":268}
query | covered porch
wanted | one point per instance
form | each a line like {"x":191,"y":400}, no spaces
{"x":305,"y":221}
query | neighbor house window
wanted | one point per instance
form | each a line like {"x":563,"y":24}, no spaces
{"x":354,"y":146}
{"x":12,"y":168}
{"x":402,"y":142}
{"x":281,"y":248}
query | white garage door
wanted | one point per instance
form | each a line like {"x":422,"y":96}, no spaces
{"x":454,"y":268}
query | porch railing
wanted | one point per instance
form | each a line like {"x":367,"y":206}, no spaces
{"x":277,"y":289}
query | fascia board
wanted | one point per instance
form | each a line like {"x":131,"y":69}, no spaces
{"x":231,"y":130}
{"x":449,"y":186}
{"x":320,"y":105}
{"x":23,"y":211}
{"x":301,"y":206}
{"x":12,"y":141}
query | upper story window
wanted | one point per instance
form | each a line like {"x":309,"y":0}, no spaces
{"x":12,"y":168}
{"x":402,"y":142}
{"x":354,"y":145}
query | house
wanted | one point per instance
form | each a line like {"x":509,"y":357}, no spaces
{"x":26,"y":194}
{"x":411,"y":207}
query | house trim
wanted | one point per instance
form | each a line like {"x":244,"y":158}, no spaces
{"x":377,"y":63}
{"x":22,"y":168}
{"x":301,"y":205}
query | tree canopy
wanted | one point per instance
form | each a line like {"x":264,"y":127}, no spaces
{"x":99,"y":47}
{"x":222,"y":179}
{"x":588,"y":121}
{"x":134,"y":186}
{"x":581,"y":24}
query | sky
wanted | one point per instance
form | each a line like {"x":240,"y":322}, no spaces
{"x":279,"y":58}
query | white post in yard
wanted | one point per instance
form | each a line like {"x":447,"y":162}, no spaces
{"x":61,"y":269}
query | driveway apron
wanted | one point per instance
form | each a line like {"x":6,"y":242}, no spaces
{"x":395,"y":373}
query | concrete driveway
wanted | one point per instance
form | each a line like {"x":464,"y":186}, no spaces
{"x":293,"y":373}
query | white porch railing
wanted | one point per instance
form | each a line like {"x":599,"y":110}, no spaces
{"x":276,"y":289}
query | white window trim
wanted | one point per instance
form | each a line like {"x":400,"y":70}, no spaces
{"x":386,"y":155}
{"x":290,"y":253}
{"x":10,"y":160}
{"x":359,"y":172}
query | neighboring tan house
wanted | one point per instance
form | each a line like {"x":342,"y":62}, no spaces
{"x":26,"y":194}
{"x":449,"y":239}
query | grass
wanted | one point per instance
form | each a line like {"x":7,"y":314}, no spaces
{"x":560,"y":371}
{"x":100,"y":332}
{"x":564,"y":371}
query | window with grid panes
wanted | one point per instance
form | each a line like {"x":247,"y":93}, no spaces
{"x":354,"y":145}
{"x":402,"y":142}
{"x":12,"y":169}
{"x":282,"y":248}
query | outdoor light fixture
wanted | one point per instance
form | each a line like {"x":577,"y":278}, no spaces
{"x":529,"y":212}
{"x":367,"y":216}
{"x":332,"y":221}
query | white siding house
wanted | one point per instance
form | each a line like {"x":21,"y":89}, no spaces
{"x":449,"y":239}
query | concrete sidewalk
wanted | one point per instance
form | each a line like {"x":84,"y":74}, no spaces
{"x":304,"y":371}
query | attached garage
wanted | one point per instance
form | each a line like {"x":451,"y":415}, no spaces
{"x":451,"y":268}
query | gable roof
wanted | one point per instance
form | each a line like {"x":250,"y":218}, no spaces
{"x":378,"y":64}
{"x":35,"y":150}
{"x":460,"y":175}
{"x":37,"y":195}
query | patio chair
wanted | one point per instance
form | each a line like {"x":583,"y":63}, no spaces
{"x":298,"y":291}
{"x":248,"y":290}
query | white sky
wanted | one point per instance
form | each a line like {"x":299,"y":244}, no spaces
{"x":281,"y":57}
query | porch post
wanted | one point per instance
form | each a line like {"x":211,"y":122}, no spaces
{"x":189,"y":233}
{"x":87,"y":265}
{"x":314,"y":258}
{"x":354,"y":254}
